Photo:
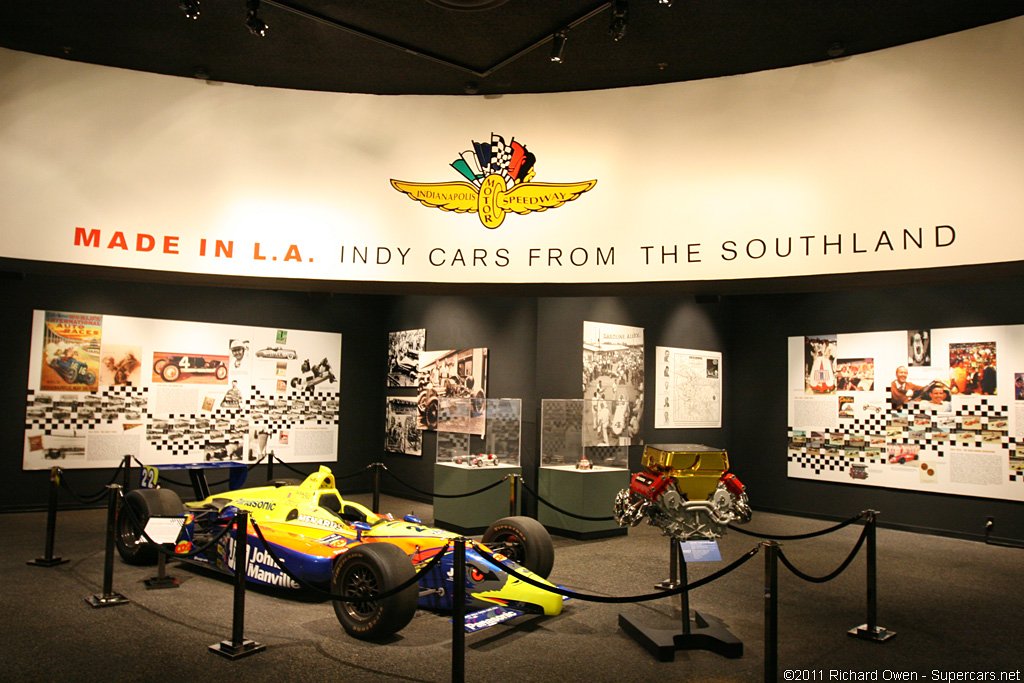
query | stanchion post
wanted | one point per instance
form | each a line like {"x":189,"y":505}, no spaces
{"x":871,"y":630}
{"x":459,"y":612}
{"x":376,"y":486}
{"x":48,"y":560}
{"x":270,"y":466}
{"x":238,"y":646}
{"x":109,"y":598}
{"x":127,"y":479}
{"x":771,"y":611}
{"x":513,"y":478}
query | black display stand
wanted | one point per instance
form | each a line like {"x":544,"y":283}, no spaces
{"x":161,"y":580}
{"x":698,"y":632}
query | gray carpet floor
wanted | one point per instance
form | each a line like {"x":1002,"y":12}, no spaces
{"x":955,"y":605}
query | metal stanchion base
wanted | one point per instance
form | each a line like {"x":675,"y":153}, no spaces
{"x":46,"y":562}
{"x":878,"y":634}
{"x":161,"y":582}
{"x":226,"y":648}
{"x":706,"y":633}
{"x":107,"y":600}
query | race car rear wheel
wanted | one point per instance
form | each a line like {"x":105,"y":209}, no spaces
{"x":367,"y":570}
{"x":142,"y":504}
{"x":170,"y":372}
{"x":523,"y":540}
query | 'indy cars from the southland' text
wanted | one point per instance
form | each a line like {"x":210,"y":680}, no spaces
{"x":341,"y":546}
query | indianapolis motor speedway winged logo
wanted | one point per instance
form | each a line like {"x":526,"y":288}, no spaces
{"x":499,"y":179}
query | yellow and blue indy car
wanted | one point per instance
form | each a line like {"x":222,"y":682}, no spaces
{"x":332,"y":544}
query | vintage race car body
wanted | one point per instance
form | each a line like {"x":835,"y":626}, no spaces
{"x":310,"y":528}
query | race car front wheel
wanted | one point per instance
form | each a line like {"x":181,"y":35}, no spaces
{"x":523,"y":540}
{"x":142,"y":504}
{"x":373,"y":569}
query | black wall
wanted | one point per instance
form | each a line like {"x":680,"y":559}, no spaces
{"x":534,"y":353}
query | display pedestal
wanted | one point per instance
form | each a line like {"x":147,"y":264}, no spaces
{"x":701,"y":632}
{"x":705,"y":633}
{"x":471,"y":515}
{"x":588,"y":493}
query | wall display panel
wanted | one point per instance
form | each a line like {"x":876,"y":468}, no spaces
{"x":447,"y":375}
{"x":404,"y":349}
{"x":166,"y":391}
{"x":688,"y":393}
{"x":939,"y":410}
{"x":613,"y":370}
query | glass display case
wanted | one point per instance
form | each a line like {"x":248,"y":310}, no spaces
{"x":479,"y":432}
{"x":584,"y":434}
{"x":584,"y":463}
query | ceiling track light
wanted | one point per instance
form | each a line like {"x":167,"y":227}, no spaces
{"x":620,"y":17}
{"x":557,"y":47}
{"x":252,"y":20}
{"x":190,"y":8}
{"x":666,"y":3}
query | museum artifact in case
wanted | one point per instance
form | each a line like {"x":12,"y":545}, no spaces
{"x":477,"y":446}
{"x":583,"y":464}
{"x":479,"y":432}
{"x":584,"y":434}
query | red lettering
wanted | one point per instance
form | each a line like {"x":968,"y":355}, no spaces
{"x":144,"y":242}
{"x":118,"y":241}
{"x":170,"y":244}
{"x":256,"y":253}
{"x":293,"y":254}
{"x":87,"y":239}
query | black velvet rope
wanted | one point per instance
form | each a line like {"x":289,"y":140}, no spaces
{"x":558,"y":509}
{"x":92,"y":498}
{"x":444,"y":495}
{"x":797,"y":537}
{"x":633,"y":598}
{"x":828,"y":577}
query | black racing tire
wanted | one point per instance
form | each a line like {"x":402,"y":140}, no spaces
{"x":170,"y":372}
{"x":367,"y":570}
{"x":221,"y":372}
{"x":523,"y":540}
{"x":143,"y":504}
{"x":158,"y":366}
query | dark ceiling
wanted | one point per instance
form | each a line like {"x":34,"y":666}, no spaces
{"x":485,"y":47}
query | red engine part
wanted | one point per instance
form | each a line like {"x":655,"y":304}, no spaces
{"x":733,"y":484}
{"x":650,"y":485}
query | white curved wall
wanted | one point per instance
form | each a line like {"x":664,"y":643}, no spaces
{"x":824,"y":168}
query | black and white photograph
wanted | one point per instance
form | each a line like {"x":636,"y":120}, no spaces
{"x":402,"y":434}
{"x":613,"y":370}
{"x":450,"y":374}
{"x":404,"y":349}
{"x":919,"y":350}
